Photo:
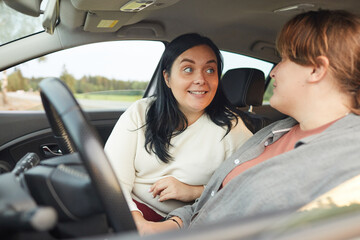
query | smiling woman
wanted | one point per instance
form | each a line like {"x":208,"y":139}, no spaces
{"x":156,"y":143}
{"x":198,"y":63}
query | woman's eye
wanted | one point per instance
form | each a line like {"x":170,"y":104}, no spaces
{"x":188,"y":70}
{"x":210,"y":70}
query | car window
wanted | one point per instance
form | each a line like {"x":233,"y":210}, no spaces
{"x":268,"y":92}
{"x":108,"y":75}
{"x":234,"y":60}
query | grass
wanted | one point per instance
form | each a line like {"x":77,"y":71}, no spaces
{"x":122,"y":98}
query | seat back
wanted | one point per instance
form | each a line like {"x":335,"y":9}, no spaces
{"x":244,"y":88}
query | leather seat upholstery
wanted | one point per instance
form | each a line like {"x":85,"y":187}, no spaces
{"x":244,"y":88}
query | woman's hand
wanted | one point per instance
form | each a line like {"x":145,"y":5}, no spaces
{"x":147,"y":227}
{"x":171,"y":188}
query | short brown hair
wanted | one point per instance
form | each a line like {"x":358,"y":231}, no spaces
{"x":334,"y":34}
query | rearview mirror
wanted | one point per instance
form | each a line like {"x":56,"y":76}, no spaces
{"x":33,"y":8}
{"x":28,"y":7}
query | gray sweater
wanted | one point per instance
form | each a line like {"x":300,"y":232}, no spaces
{"x":317,"y":164}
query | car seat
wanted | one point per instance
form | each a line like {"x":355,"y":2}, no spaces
{"x":244,"y":88}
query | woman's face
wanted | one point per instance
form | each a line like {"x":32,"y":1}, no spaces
{"x":194,"y":79}
{"x":289,"y":86}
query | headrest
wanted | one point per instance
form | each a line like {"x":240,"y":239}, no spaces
{"x":244,"y":86}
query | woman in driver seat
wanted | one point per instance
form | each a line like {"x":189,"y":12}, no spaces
{"x":165,"y":148}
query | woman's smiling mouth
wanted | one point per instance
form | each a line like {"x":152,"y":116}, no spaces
{"x":197,"y":92}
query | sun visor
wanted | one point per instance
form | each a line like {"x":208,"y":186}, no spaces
{"x":99,"y":5}
{"x":143,"y":30}
{"x":108,"y":16}
{"x":106,"y":21}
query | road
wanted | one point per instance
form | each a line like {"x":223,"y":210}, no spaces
{"x":31,"y":101}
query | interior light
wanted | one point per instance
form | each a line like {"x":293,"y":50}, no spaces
{"x":136,"y":5}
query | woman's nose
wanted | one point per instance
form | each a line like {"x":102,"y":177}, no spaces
{"x":200,"y":79}
{"x":272,"y":73}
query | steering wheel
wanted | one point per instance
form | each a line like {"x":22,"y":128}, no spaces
{"x":68,"y":121}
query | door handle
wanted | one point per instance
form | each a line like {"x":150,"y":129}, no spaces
{"x":51,"y":150}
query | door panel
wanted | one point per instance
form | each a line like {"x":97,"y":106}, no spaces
{"x":29,"y":131}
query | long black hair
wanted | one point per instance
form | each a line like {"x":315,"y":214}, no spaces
{"x":164,"y":119}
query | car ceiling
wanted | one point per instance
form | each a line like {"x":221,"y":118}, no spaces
{"x":242,"y":26}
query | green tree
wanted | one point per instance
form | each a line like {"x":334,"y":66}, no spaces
{"x":269,"y":91}
{"x":16,"y":81}
{"x":4,"y":83}
{"x":68,"y":79}
{"x":42,"y":59}
{"x":34,"y":83}
{"x":137,"y":85}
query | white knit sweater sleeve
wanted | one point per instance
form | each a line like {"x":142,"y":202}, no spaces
{"x":238,"y":135}
{"x":120,"y":149}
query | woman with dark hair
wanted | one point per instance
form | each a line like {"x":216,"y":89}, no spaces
{"x":165,"y":148}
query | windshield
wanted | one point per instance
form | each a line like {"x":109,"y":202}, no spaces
{"x":15,"y":25}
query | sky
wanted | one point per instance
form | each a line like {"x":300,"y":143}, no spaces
{"x":121,"y":60}
{"x":114,"y":60}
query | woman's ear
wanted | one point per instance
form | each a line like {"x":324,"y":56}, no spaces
{"x":320,"y":69}
{"x":166,"y":77}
